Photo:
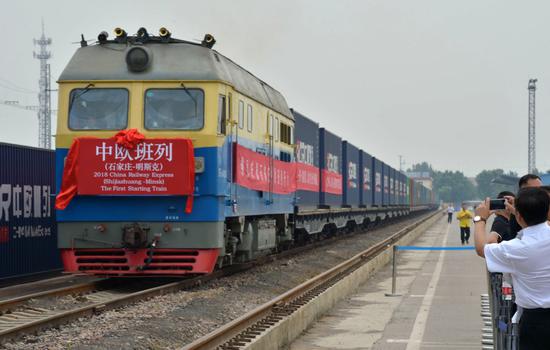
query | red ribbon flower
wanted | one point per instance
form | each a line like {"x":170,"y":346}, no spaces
{"x":129,"y":138}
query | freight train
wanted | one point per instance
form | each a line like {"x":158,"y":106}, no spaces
{"x":171,"y":159}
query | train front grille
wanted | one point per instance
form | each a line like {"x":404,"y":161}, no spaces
{"x":125,"y":262}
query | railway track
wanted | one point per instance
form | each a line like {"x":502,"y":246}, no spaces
{"x":241,"y":332}
{"x":17,"y":317}
{"x":7,"y":305}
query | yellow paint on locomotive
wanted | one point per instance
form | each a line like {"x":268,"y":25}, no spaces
{"x":208,"y":136}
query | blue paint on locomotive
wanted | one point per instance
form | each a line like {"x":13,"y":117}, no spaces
{"x":242,"y":201}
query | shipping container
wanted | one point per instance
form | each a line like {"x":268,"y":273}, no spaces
{"x":407,"y":191}
{"x":392,"y":174}
{"x":398,"y":195}
{"x":330,"y":159}
{"x":307,"y":159}
{"x":28,"y":232}
{"x":377,"y":173}
{"x":401,"y":189}
{"x":403,"y":200}
{"x":350,"y":171}
{"x":366,"y":176}
{"x":395,"y":187}
{"x":412,"y":197}
{"x":420,"y":195}
{"x":385,"y":185}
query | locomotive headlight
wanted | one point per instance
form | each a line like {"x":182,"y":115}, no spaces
{"x":120,"y":33}
{"x":164,"y":33}
{"x":138,"y":58}
{"x":199,"y":165}
{"x":102,"y":37}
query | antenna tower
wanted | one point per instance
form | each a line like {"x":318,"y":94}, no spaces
{"x":44,"y":98}
{"x":531,"y":144}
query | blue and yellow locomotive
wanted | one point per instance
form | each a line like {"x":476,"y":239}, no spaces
{"x":178,"y":160}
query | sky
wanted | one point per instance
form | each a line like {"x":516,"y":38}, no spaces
{"x":431,"y":80}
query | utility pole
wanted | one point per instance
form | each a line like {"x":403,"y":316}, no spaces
{"x":401,"y":163}
{"x":44,"y":97}
{"x":531,"y":142}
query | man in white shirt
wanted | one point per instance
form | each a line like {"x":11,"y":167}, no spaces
{"x":526,"y":259}
{"x":450,"y":211}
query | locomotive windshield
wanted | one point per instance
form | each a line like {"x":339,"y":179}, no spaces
{"x":174,"y":109}
{"x":98,"y":109}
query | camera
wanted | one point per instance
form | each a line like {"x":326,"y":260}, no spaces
{"x":497,"y":204}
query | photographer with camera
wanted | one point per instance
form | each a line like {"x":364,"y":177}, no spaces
{"x":500,"y":229}
{"x":525,"y":258}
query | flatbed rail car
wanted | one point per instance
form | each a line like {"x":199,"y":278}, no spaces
{"x":172,"y":159}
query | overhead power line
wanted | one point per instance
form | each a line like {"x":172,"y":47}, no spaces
{"x":5,"y":83}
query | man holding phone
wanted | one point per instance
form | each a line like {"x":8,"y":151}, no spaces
{"x":526,"y":259}
{"x":464,"y":216}
{"x":501,"y":224}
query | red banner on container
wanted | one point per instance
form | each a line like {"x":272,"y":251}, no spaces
{"x":332,"y":182}
{"x":153,"y":167}
{"x":307,"y":177}
{"x":259,"y":172}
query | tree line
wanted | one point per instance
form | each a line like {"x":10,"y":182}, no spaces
{"x":454,"y":186}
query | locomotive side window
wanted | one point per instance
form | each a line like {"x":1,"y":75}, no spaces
{"x":98,"y":109}
{"x":276,"y":128}
{"x":249,"y":118}
{"x":241,"y":114}
{"x":221,"y":115}
{"x":285,"y":134}
{"x":174,"y":109}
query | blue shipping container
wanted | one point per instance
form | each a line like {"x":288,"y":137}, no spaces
{"x":350,"y":170}
{"x":391,"y":174}
{"x":365,"y":173}
{"x":330,"y":158}
{"x":404,"y":182}
{"x":28,"y":233}
{"x":385,"y":184}
{"x":377,"y":173}
{"x":307,"y":152}
{"x":400,"y":188}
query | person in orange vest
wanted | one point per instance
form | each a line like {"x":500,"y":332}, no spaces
{"x":464,"y":216}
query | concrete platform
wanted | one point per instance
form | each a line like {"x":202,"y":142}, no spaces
{"x":439,"y":307}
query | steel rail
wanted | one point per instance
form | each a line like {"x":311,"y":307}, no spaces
{"x":235,"y":333}
{"x":12,"y":303}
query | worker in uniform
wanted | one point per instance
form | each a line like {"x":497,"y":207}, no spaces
{"x":464,"y":217}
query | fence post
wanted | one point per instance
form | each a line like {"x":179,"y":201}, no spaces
{"x":394,"y":275}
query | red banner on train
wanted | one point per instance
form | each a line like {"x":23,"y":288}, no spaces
{"x":152,"y":167}
{"x":332,"y":182}
{"x":307,"y":177}
{"x":255,"y":171}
